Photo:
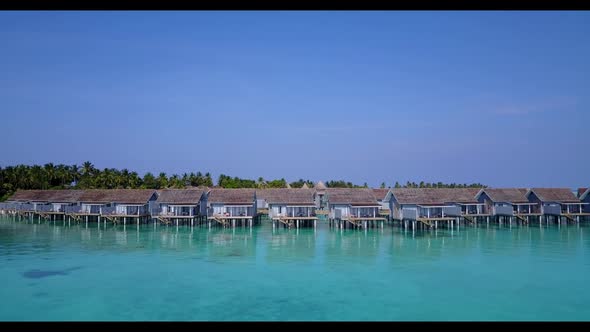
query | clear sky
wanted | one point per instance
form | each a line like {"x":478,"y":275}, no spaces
{"x":501,"y":98}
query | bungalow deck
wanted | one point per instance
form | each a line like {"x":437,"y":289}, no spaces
{"x":232,"y":221}
{"x":295,"y":221}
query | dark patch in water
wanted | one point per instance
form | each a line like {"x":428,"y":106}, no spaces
{"x":40,"y":294}
{"x":38,"y":274}
{"x":234,"y":254}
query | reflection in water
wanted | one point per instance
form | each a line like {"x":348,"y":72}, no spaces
{"x":286,"y":245}
{"x":354,"y":244}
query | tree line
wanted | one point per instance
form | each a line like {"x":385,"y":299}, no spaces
{"x":86,"y":176}
{"x":423,"y":184}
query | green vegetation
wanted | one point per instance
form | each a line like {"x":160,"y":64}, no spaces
{"x":299,"y":183}
{"x":50,"y":176}
{"x":423,"y":184}
{"x":343,"y":184}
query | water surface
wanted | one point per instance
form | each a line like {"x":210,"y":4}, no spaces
{"x":56,"y":271}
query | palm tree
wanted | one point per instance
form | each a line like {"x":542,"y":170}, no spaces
{"x":87,"y":168}
{"x":50,"y":175}
{"x":162,"y":180}
{"x":208,"y":180}
{"x":149,"y":181}
{"x":75,"y":171}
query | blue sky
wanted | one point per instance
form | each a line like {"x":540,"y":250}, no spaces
{"x":500,"y":98}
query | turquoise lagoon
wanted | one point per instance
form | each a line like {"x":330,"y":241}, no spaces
{"x":69,"y":272}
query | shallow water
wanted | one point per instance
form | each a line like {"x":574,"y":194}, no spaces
{"x":70,"y":272}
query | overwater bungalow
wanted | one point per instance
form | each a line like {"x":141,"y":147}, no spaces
{"x":28,"y":201}
{"x":61,"y":199}
{"x":465,"y":198}
{"x":557,"y":202}
{"x":231,"y":205}
{"x":355,"y":206}
{"x":584,"y":197}
{"x":428,"y":205}
{"x":290,"y":207}
{"x":114,"y":204}
{"x":383,"y":196}
{"x":179,"y":205}
{"x":504,"y":203}
{"x":44,"y":203}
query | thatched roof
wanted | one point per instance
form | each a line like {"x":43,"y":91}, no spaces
{"x":305,"y":186}
{"x":434,"y":196}
{"x":380,"y":193}
{"x":56,"y":196}
{"x":320,"y":185}
{"x":180,"y":196}
{"x":352,"y":196}
{"x":121,"y":196}
{"x":232,"y":196}
{"x":295,"y":196}
{"x":509,"y":195}
{"x":559,"y":195}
